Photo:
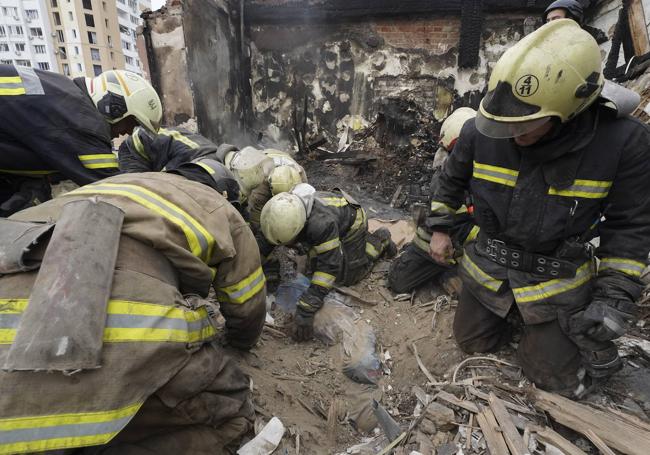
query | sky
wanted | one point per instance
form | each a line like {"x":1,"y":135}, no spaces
{"x":156,"y":4}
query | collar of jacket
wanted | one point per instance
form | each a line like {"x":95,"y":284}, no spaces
{"x":561,"y":154}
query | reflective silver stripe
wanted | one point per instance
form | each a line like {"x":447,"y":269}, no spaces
{"x":554,"y":287}
{"x":627,"y":266}
{"x":9,"y":320}
{"x":238,"y":294}
{"x":100,"y":161}
{"x":479,"y":275}
{"x":123,"y":321}
{"x":63,"y":431}
{"x":492,"y":173}
{"x":10,"y":85}
{"x":31,"y":81}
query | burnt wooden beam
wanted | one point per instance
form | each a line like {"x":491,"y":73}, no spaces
{"x":305,"y":11}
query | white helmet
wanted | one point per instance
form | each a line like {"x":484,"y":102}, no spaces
{"x":282,"y":219}
{"x":283,"y":179}
{"x":250,"y":166}
{"x":118,"y":94}
{"x":452,"y":125}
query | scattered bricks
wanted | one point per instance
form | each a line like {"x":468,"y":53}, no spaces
{"x":441,"y":416}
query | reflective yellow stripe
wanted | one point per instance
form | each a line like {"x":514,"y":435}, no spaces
{"x":128,"y":321}
{"x":334,"y":201}
{"x":323,"y":279}
{"x":137,"y":144}
{"x":461,"y":210}
{"x":359,"y":221}
{"x":12,"y":91}
{"x":479,"y":275}
{"x":327,"y":246}
{"x":245,"y":289}
{"x":496,"y":174}
{"x":99,"y":161}
{"x":472,"y":234}
{"x":19,"y":172}
{"x":200,"y":241}
{"x":439,"y":207}
{"x":177,"y":136}
{"x":590,"y":189}
{"x":371,"y":250}
{"x":552,"y":288}
{"x":207,"y":168}
{"x":61,"y":431}
{"x":10,"y":80}
{"x":627,"y":266}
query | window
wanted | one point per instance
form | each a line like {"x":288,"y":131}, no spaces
{"x":10,"y":11}
{"x":39,"y":49}
{"x":90,"y":20}
{"x":92,"y":37}
{"x":123,"y":2}
{"x":70,"y":16}
{"x":43,"y":66}
{"x":122,"y":14}
{"x":4,"y":47}
{"x":88,"y":4}
{"x":63,"y":53}
{"x":18,"y":30}
{"x":54,"y":4}
{"x":126,"y":45}
{"x":6,"y":62}
{"x":133,"y":4}
{"x":104,"y":6}
{"x":66,"y":69}
{"x":110,"y":41}
{"x":74,"y":33}
{"x":31,"y":14}
{"x":124,"y":30}
{"x":59,"y":35}
{"x":112,"y":56}
{"x":57,"y":18}
{"x":36,"y":32}
{"x":20,"y":47}
{"x":97,"y":69}
{"x":80,"y":69}
{"x":129,"y":60}
{"x":94,"y":55}
{"x":23,"y":63}
{"x":76,"y":50}
{"x":134,"y":20}
{"x":3,"y":32}
{"x":106,"y":22}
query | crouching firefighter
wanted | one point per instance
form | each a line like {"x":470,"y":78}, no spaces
{"x":333,"y":227}
{"x":414,"y":266}
{"x":102,"y":315}
{"x":546,"y":160}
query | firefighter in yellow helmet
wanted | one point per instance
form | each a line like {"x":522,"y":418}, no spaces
{"x":334,"y":228}
{"x":550,"y":165}
{"x":414,"y":266}
{"x":55,"y":128}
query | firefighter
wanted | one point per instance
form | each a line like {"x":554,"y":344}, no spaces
{"x":550,"y":166}
{"x":564,"y":9}
{"x":146,"y":152}
{"x":164,"y":385}
{"x":414,"y":266}
{"x":54,"y":127}
{"x":333,"y":227}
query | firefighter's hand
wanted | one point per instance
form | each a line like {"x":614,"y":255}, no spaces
{"x":303,"y":329}
{"x":441,"y":249}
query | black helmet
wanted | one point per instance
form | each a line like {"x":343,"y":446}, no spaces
{"x":573,"y":8}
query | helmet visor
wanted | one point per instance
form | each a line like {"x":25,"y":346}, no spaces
{"x":502,"y":130}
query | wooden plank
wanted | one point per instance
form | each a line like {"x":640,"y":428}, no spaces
{"x":599,"y":443}
{"x":490,"y":428}
{"x":452,"y":399}
{"x":510,"y":434}
{"x":638,"y":28}
{"x":548,"y":436}
{"x":624,"y":433}
{"x":513,"y":407}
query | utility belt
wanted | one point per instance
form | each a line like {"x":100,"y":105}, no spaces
{"x":539,"y":264}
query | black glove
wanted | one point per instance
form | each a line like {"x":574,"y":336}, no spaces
{"x":303,"y":325}
{"x":603,"y":320}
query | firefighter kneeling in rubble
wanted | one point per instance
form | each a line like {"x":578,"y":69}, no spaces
{"x":153,"y":380}
{"x":550,"y":165}
{"x":333,"y":227}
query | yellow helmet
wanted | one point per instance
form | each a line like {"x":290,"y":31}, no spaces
{"x":555,"y":71}
{"x":282,"y":219}
{"x":119,"y":94}
{"x":450,"y":129}
{"x":250,"y":166}
{"x":283,"y":179}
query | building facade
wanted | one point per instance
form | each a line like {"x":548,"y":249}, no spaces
{"x":72,"y":37}
{"x":25,"y":34}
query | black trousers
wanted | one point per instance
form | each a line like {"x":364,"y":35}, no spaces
{"x":412,"y":268}
{"x":547,"y":356}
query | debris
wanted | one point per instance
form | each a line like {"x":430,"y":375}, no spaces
{"x":332,"y":421}
{"x":511,"y":435}
{"x":442,"y":416}
{"x":427,"y":427}
{"x":396,"y":195}
{"x":386,"y":295}
{"x":402,"y":297}
{"x":493,"y":437}
{"x":354,"y":294}
{"x":387,"y":423}
{"x":622,"y":432}
{"x":548,"y":436}
{"x":266,"y":441}
{"x":599,"y":443}
{"x":392,"y":445}
{"x":452,"y":399}
{"x":424,"y":369}
{"x":471,"y":359}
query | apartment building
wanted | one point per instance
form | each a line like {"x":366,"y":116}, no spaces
{"x":25,"y":34}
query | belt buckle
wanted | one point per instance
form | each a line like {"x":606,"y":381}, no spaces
{"x":494,"y":245}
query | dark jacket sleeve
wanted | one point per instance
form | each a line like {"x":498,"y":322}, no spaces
{"x":625,"y":231}
{"x":132,"y":154}
{"x":453,"y":182}
{"x":325,"y":247}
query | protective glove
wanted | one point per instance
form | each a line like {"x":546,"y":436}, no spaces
{"x":603,"y":320}
{"x":303,"y":329}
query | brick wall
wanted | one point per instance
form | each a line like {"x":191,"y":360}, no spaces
{"x":437,"y":35}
